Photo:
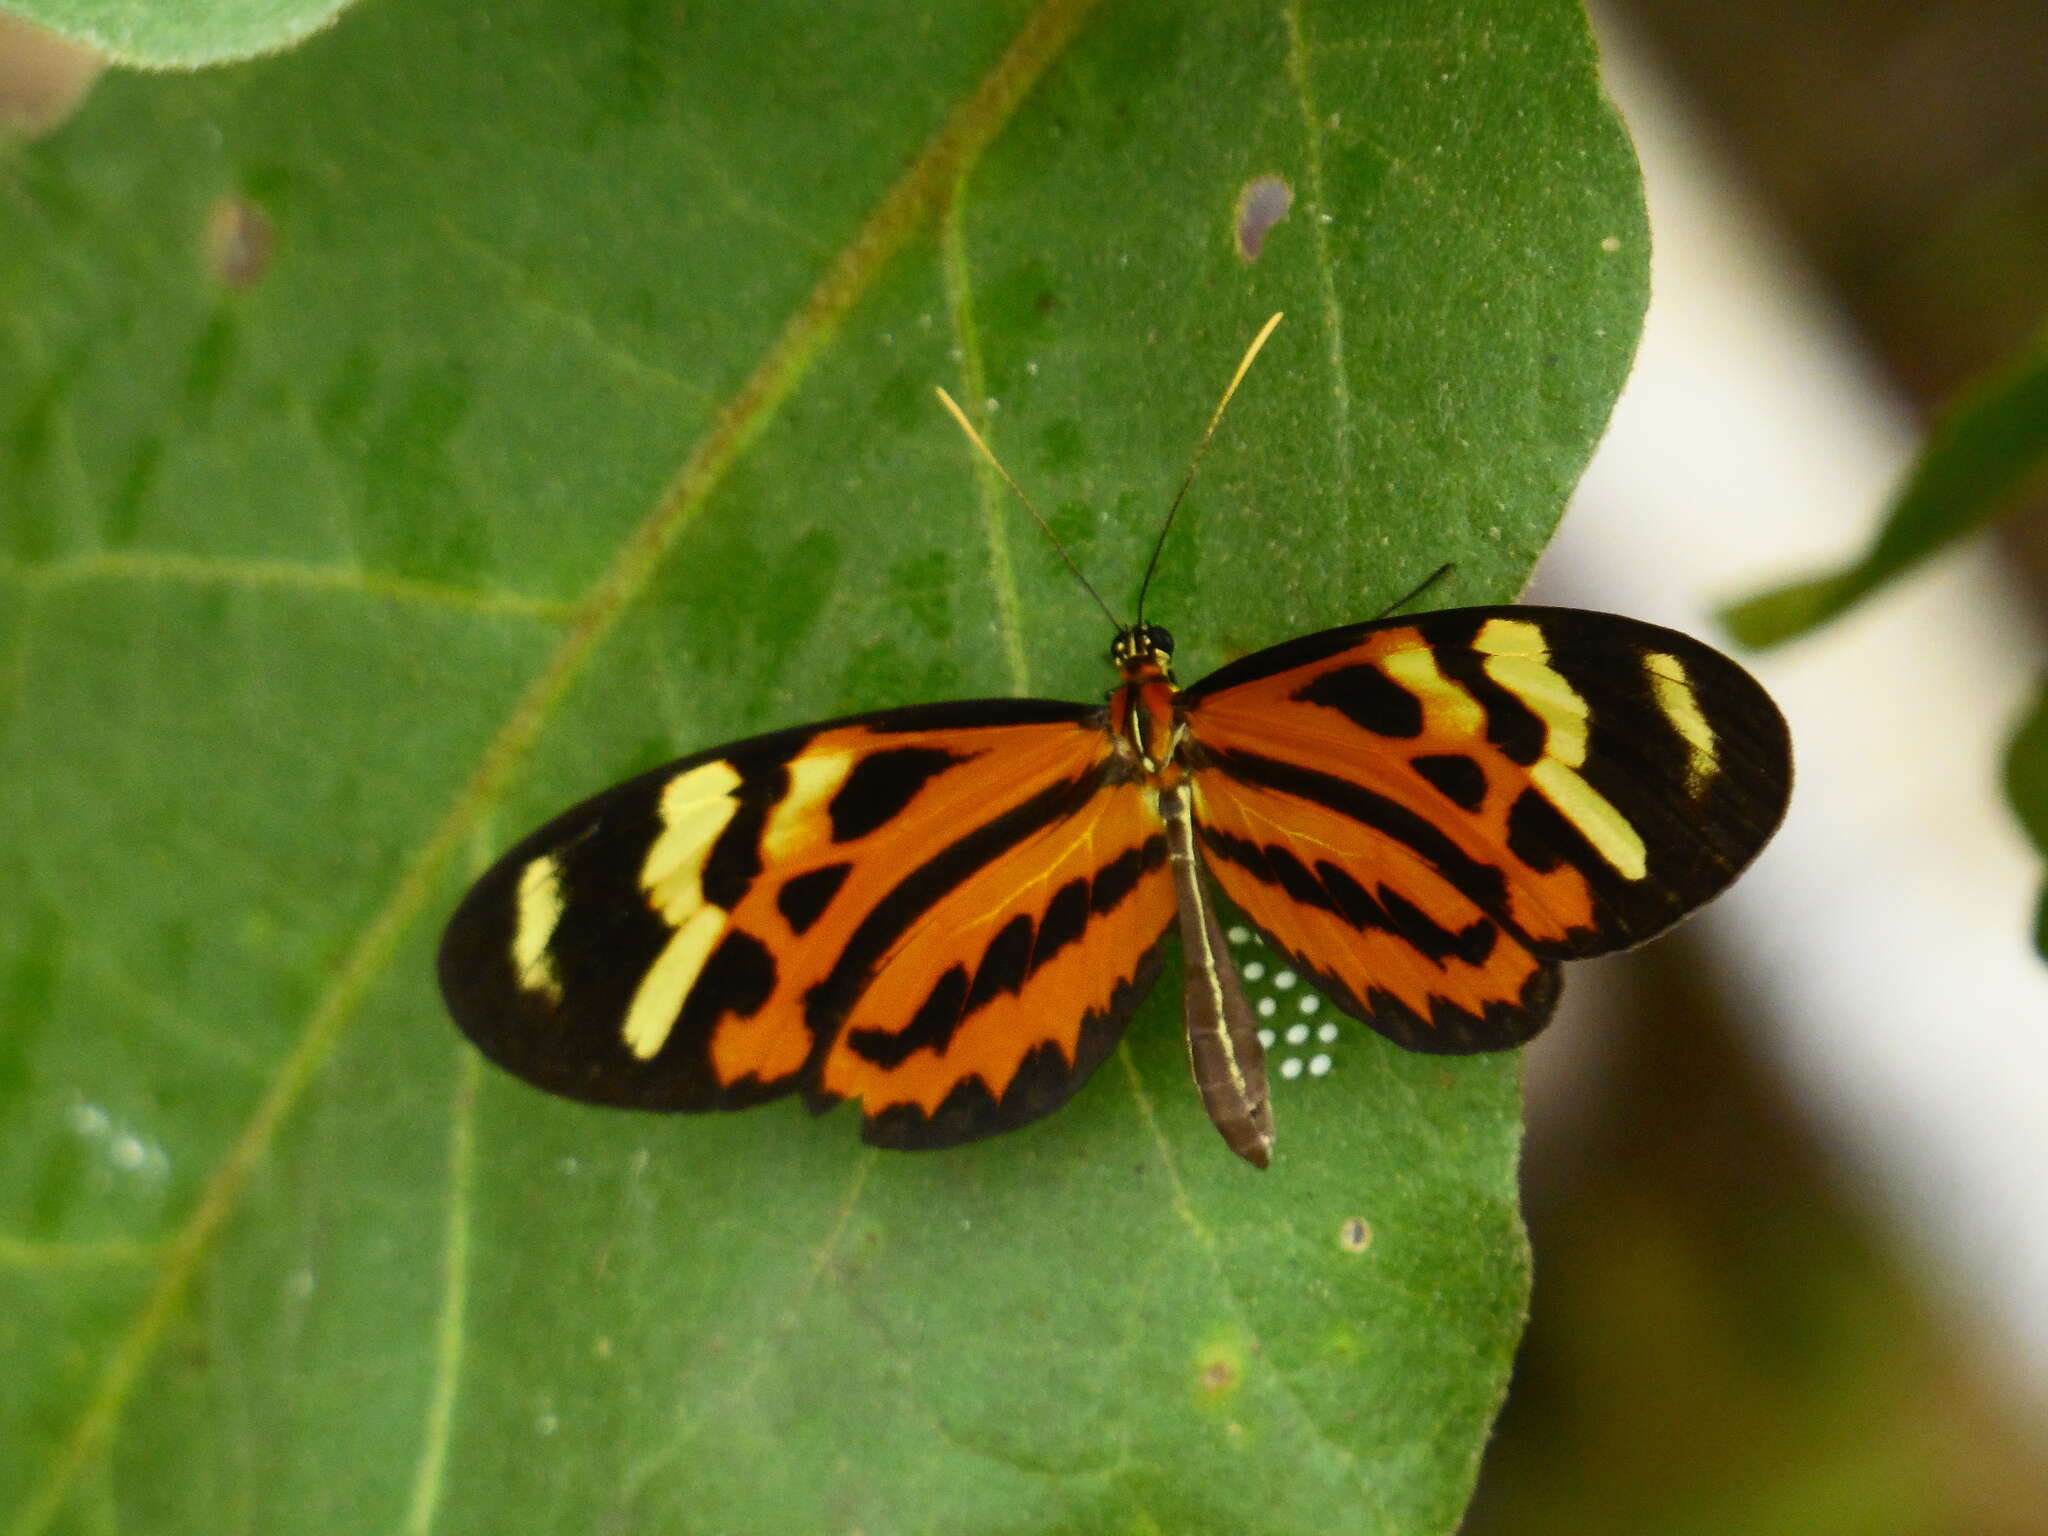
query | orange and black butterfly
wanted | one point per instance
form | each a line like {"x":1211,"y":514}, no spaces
{"x":949,"y":912}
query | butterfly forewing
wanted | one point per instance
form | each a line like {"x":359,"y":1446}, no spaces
{"x":1428,"y":813}
{"x":795,"y":911}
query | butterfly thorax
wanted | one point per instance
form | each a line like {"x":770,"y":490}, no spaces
{"x":1141,"y":710}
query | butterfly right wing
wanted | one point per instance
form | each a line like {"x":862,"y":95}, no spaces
{"x":1428,"y":813}
{"x":697,"y":938}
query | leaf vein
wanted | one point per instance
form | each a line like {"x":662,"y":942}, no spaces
{"x":35,"y":1254}
{"x":168,"y":568}
{"x":742,"y":1390}
{"x":1326,"y":277}
{"x":451,"y":1324}
{"x":1184,"y":1208}
{"x":974,"y":388}
{"x":527,"y":293}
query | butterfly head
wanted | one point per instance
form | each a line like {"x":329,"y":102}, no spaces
{"x":1142,"y":648}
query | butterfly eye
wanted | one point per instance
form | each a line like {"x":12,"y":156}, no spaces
{"x":1157,"y":639}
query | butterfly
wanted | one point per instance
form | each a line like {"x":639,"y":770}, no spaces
{"x":949,"y":912}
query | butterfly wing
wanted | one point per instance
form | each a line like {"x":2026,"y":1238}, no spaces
{"x":1427,"y":814}
{"x":987,"y":1007}
{"x":947,"y":912}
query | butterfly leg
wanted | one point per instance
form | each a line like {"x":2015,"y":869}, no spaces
{"x":1223,"y":1040}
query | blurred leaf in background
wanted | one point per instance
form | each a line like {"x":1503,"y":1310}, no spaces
{"x":1983,"y":457}
{"x":404,"y":436}
{"x":187,"y":35}
{"x":2026,"y":785}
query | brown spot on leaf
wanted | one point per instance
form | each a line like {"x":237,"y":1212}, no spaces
{"x":240,"y":240}
{"x":1220,"y":1367}
{"x":1262,"y":204}
{"x":1355,"y":1236}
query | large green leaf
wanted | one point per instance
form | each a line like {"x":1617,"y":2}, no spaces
{"x":406,"y":435}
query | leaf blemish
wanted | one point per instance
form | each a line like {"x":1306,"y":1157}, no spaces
{"x":240,"y":240}
{"x":1355,"y":1236}
{"x":1219,"y":1369}
{"x":1262,"y":203}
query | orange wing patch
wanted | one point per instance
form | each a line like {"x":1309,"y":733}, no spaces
{"x":1005,"y":994}
{"x":871,"y":833}
{"x":1386,"y":934}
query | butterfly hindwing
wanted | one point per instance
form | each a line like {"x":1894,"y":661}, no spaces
{"x":698,"y":937}
{"x":993,"y":1006}
{"x":1428,"y":813}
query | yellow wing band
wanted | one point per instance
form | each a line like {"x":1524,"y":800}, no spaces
{"x":1518,"y":659}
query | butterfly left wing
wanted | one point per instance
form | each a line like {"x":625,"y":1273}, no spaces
{"x":1427,"y":814}
{"x":947,"y":912}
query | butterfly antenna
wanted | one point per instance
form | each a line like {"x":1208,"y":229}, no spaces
{"x":1428,"y":581}
{"x":1201,"y":448}
{"x":995,"y":463}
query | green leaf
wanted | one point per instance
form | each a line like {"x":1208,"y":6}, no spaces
{"x":2026,"y":786}
{"x":404,"y":436}
{"x":1979,"y":460}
